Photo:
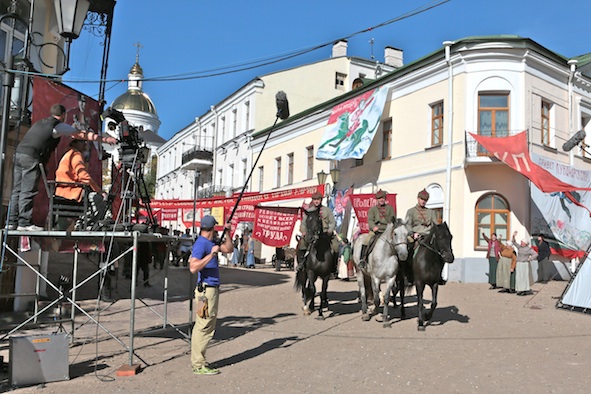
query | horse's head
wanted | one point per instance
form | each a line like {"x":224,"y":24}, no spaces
{"x":313,"y":225}
{"x":399,"y":234}
{"x":442,"y":242}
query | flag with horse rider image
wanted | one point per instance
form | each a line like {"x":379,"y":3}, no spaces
{"x":352,"y":126}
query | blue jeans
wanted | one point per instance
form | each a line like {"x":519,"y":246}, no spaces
{"x":25,"y":188}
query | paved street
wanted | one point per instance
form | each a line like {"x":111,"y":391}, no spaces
{"x":479,"y":341}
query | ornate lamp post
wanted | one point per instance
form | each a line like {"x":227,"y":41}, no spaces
{"x":322,"y":176}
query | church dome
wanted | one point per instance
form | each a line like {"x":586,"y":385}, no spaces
{"x":134,"y":100}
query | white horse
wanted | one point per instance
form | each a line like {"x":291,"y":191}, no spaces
{"x":382,"y":265}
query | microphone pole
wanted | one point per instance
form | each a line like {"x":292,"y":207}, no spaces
{"x":282,"y":113}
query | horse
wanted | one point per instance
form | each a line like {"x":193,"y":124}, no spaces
{"x":320,"y":262}
{"x":432,"y":252}
{"x":382,"y":266}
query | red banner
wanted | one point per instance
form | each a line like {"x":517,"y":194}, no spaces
{"x":170,"y":214}
{"x":82,"y":112}
{"x":363,"y":202}
{"x":252,"y":199}
{"x":273,"y":226}
{"x":513,"y":152}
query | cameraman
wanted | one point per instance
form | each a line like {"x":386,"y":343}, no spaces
{"x":34,"y":149}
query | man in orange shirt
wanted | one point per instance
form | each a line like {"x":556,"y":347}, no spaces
{"x":72,"y":168}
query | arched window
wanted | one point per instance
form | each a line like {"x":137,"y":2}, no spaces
{"x":492,"y":215}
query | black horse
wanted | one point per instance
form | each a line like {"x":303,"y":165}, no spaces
{"x":320,"y":261}
{"x":431,"y":253}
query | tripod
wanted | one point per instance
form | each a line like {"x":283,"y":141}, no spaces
{"x":63,"y":281}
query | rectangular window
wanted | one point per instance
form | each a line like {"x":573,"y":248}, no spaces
{"x":278,"y":172}
{"x":545,"y":123}
{"x":387,"y":139}
{"x":231,"y":175}
{"x":223,"y":128}
{"x":261,"y":176}
{"x":234,"y":123}
{"x":290,"y":169}
{"x":358,"y":163}
{"x":493,"y":117}
{"x":310,"y":162}
{"x":244,"y":169}
{"x":247,"y":116}
{"x":340,"y":81}
{"x":437,"y":124}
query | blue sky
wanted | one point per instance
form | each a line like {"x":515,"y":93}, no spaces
{"x":187,"y":36}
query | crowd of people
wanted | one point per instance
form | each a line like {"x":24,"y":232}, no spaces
{"x":510,"y":263}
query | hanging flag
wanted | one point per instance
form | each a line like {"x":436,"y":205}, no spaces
{"x":338,"y":203}
{"x":352,"y":126}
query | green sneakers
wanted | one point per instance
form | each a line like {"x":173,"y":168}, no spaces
{"x":205,"y":370}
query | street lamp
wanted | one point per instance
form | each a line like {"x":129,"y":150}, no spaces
{"x":70,"y":17}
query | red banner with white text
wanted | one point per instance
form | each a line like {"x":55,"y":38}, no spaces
{"x":273,"y":226}
{"x":363,"y":202}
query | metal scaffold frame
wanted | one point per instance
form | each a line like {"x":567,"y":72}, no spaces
{"x":135,"y":237}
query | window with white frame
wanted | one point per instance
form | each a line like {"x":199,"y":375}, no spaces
{"x":234,"y":122}
{"x":437,"y":124}
{"x":339,"y":82}
{"x":261,"y":176}
{"x":387,"y":139}
{"x":247,"y":115}
{"x":310,"y":162}
{"x":493,"y":116}
{"x":244,"y":169}
{"x":545,"y":122}
{"x":290,"y":169}
{"x":278,"y":172}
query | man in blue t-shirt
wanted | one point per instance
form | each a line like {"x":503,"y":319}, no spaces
{"x":204,"y":260}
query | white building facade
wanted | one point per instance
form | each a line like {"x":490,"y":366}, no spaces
{"x":492,"y":86}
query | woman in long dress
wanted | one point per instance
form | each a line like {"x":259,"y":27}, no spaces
{"x":250,"y":253}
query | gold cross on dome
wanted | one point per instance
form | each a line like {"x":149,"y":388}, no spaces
{"x":139,"y":46}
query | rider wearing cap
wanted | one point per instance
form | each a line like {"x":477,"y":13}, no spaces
{"x":420,"y":220}
{"x":378,"y":218}
{"x":328,"y":226}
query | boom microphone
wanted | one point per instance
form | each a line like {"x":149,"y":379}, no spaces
{"x":574,"y":140}
{"x":282,"y":105}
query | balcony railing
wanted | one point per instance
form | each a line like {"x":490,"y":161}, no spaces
{"x":198,"y":153}
{"x":474,"y":149}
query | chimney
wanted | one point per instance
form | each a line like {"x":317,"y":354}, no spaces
{"x":393,"y":57}
{"x":339,"y":48}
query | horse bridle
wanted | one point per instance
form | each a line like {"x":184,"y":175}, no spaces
{"x":431,"y":248}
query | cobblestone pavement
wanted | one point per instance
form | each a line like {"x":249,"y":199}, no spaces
{"x":479,"y":341}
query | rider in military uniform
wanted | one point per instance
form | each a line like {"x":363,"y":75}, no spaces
{"x":378,"y":218}
{"x":420,"y":220}
{"x":328,"y":226}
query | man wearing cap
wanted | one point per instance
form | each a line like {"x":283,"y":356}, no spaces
{"x":378,"y":218}
{"x":204,"y":260}
{"x":328,"y":226}
{"x":420,"y":219}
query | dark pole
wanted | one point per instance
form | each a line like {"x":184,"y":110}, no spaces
{"x":7,"y":83}
{"x":195,"y":180}
{"x":248,"y":180}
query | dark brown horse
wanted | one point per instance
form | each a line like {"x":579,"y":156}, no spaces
{"x":320,"y":262}
{"x":432,"y":252}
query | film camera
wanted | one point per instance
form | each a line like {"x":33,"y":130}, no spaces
{"x":131,"y":148}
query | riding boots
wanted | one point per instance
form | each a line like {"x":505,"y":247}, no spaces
{"x":363,"y":257}
{"x":301,"y":257}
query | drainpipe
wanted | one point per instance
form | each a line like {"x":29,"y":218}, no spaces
{"x":214,"y":147}
{"x":449,"y":128}
{"x":573,"y":68}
